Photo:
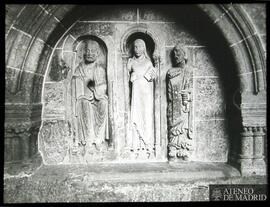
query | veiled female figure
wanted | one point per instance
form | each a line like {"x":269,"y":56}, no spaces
{"x":90,"y":99}
{"x":142,"y":74}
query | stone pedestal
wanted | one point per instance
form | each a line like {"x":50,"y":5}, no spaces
{"x":253,"y":109}
{"x":22,"y":124}
{"x":252,"y":151}
{"x":246,"y":155}
{"x":122,"y":182}
{"x":258,"y":161}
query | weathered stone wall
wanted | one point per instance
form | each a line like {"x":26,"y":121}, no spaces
{"x":211,"y":137}
{"x":32,"y":32}
{"x":124,"y":183}
{"x":29,"y":44}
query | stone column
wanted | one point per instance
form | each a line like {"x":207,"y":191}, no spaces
{"x":253,"y":111}
{"x":246,"y":154}
{"x":258,"y":159}
{"x":22,"y":122}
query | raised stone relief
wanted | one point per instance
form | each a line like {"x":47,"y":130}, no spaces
{"x":179,"y":112}
{"x":59,"y":68}
{"x":19,"y":135}
{"x":101,"y":29}
{"x":54,"y":100}
{"x":53,"y":140}
{"x":90,"y":103}
{"x":141,"y":142}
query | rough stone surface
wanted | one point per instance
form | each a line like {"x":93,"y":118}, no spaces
{"x":33,"y":56}
{"x":60,"y":66}
{"x":53,"y":141}
{"x":212,"y":141}
{"x":77,"y":183}
{"x":61,"y":12}
{"x":22,"y":135}
{"x":11,"y":13}
{"x":231,"y":35}
{"x":257,"y":13}
{"x":51,"y":31}
{"x":263,"y":39}
{"x":151,"y":15}
{"x":37,"y":58}
{"x":36,"y":91}
{"x":30,"y":19}
{"x":208,"y":89}
{"x":178,"y":34}
{"x":208,"y":98}
{"x":15,"y":54}
{"x":22,"y":96}
{"x":122,"y":182}
{"x":83,"y":28}
{"x":54,"y":100}
{"x":114,"y":13}
{"x":205,"y":65}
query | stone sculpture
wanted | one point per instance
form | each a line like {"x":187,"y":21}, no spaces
{"x":90,"y":100}
{"x":142,"y":74}
{"x":179,"y":112}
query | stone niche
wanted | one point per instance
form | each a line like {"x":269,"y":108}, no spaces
{"x":58,"y":142}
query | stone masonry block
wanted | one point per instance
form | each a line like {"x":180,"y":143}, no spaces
{"x":114,"y":13}
{"x":208,"y":98}
{"x":33,"y":57}
{"x":257,"y":13}
{"x":31,"y":19}
{"x":174,"y":33}
{"x":12,"y":10}
{"x":147,"y":14}
{"x":211,"y":141}
{"x":22,"y":96}
{"x":68,"y":43}
{"x":204,"y":65}
{"x":16,"y":48}
{"x":54,"y":96}
{"x":51,"y":31}
{"x":97,"y":29}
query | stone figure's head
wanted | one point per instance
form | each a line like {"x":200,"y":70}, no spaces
{"x":139,"y":48}
{"x":179,"y":54}
{"x":91,"y":51}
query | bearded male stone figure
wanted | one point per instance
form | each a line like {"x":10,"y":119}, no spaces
{"x":179,"y":111}
{"x":90,"y":100}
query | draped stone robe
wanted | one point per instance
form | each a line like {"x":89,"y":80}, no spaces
{"x":179,"y":116}
{"x":91,"y":116}
{"x":142,"y":105}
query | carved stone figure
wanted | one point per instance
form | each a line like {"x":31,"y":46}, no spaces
{"x":179,"y":113}
{"x":142,"y":74}
{"x":90,"y":100}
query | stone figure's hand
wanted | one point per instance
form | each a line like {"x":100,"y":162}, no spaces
{"x":133,"y":77}
{"x":185,"y":98}
{"x":148,"y":77}
{"x":130,"y":61}
{"x":152,"y":74}
{"x":91,"y":96}
{"x":157,"y":59}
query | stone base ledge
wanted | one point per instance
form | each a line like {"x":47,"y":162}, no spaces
{"x":122,"y":182}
